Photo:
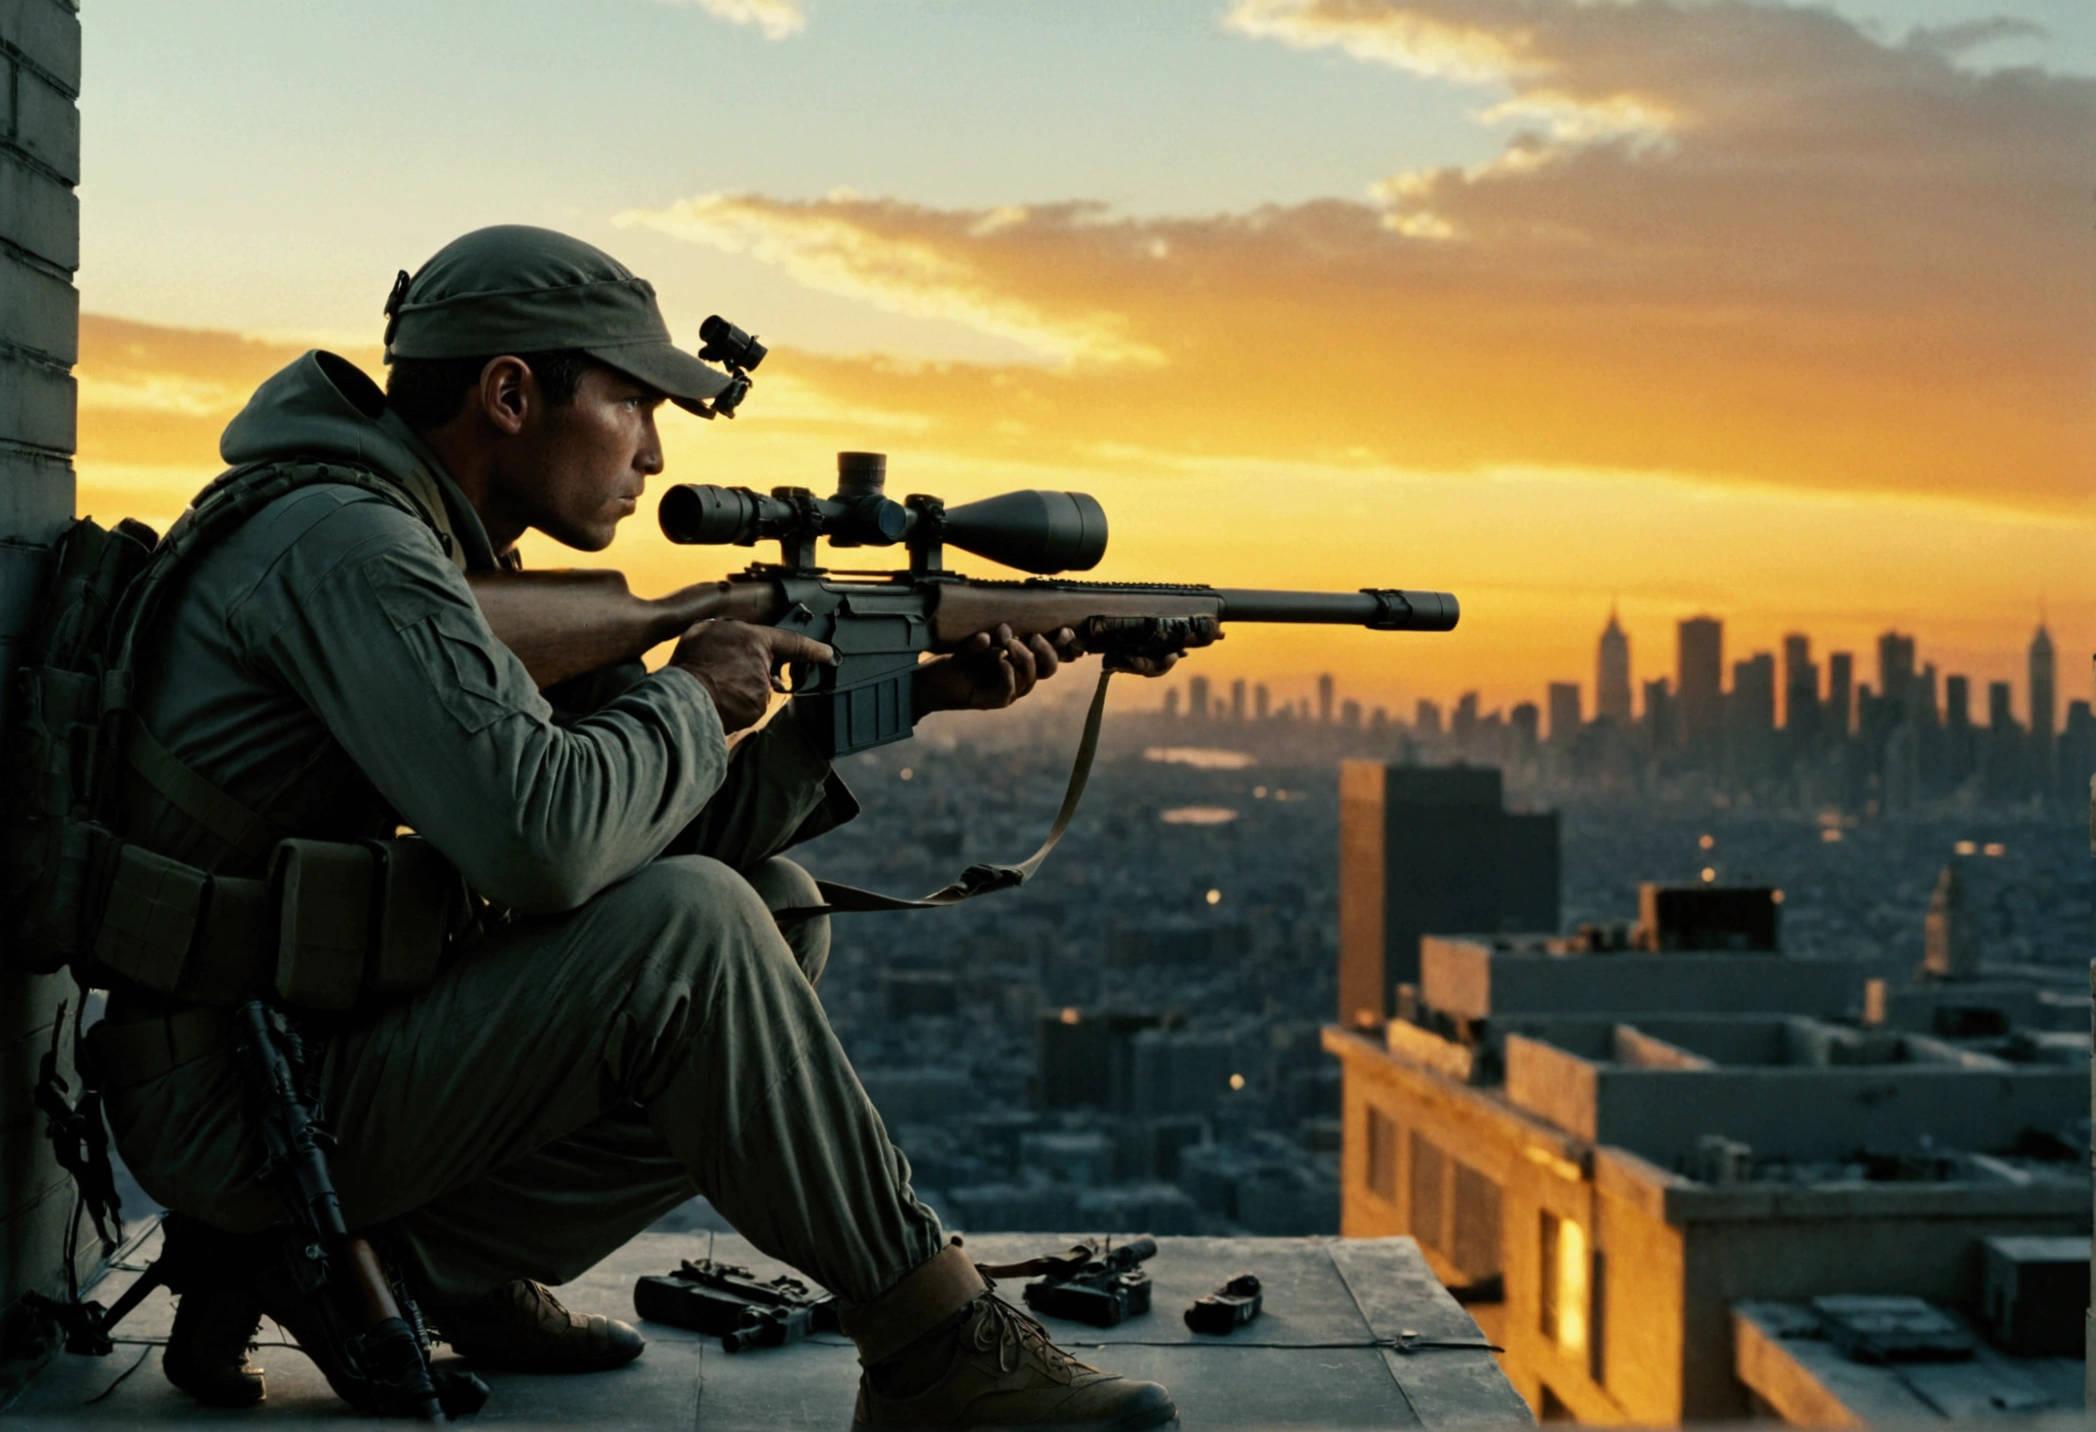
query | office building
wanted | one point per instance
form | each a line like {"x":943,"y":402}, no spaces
{"x":1614,"y":1156}
{"x":1197,"y":698}
{"x":1612,"y":674}
{"x":2043,"y":710}
{"x":1838,"y":719}
{"x":1895,"y":675}
{"x":1324,"y":699}
{"x":1699,"y":687}
{"x":1426,"y":717}
{"x":1750,"y":717}
{"x":1800,"y":692}
{"x":1237,"y":701}
{"x":1565,"y":717}
{"x":1262,"y":699}
{"x":1430,"y":848}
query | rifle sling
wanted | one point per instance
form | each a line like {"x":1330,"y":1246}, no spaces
{"x":977,"y":879}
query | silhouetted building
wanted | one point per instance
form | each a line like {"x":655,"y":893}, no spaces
{"x":1839,"y":716}
{"x":1464,"y":727}
{"x":1171,"y":701}
{"x":1960,"y":748}
{"x":1237,"y":701}
{"x":1197,"y":698}
{"x":1699,"y":687}
{"x":1895,"y":675}
{"x":1526,"y":720}
{"x":1261,"y":700}
{"x":1430,"y":848}
{"x":1426,"y":717}
{"x":1800,"y":692}
{"x":1565,"y":719}
{"x":1658,"y":725}
{"x":1750,"y":716}
{"x":1324,"y":699}
{"x":1350,"y":714}
{"x":1612,"y":674}
{"x":2043,"y":711}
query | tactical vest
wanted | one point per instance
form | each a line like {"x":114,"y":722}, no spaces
{"x":331,"y":925}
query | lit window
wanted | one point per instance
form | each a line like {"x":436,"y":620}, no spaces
{"x":1564,"y":1302}
{"x":906,"y":773}
{"x":1710,"y":875}
{"x":1215,"y":897}
{"x":1994,"y":848}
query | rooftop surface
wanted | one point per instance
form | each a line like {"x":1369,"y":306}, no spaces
{"x":1316,"y":1357}
{"x":1784,"y":1353}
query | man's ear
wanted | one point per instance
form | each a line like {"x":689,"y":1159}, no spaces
{"x":507,"y":394}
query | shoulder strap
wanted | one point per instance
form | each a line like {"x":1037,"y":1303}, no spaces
{"x":218,"y":511}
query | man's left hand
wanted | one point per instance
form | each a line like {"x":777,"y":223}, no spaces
{"x":991,"y":670}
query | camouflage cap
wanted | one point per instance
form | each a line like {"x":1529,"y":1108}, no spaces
{"x":517,"y":289}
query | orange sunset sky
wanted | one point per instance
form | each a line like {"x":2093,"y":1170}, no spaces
{"x":1779,"y":312}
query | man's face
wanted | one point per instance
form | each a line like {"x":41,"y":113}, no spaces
{"x":575,"y":470}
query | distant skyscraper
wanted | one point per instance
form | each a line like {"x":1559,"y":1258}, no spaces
{"x":1800,"y":691}
{"x":1750,"y":714}
{"x":1427,"y":850}
{"x":1699,"y":684}
{"x":2000,"y":715}
{"x":2043,"y":712}
{"x":1237,"y":701}
{"x":1350,"y":715}
{"x":1957,"y":702}
{"x":1895,"y":675}
{"x":1426,"y":717}
{"x":1612,"y":674}
{"x":2042,"y":691}
{"x":1841,"y":695}
{"x":1464,"y":726}
{"x":1197,"y":698}
{"x":1657,"y":724}
{"x":1565,"y":718}
{"x":1324,"y":699}
{"x":1262,"y":700}
{"x":1526,"y":719}
{"x":1171,"y":702}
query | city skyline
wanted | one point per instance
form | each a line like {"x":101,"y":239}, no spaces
{"x":1399,"y":293}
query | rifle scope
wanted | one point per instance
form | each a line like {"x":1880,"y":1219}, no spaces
{"x":1033,"y":530}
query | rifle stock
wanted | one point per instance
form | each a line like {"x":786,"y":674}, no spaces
{"x":561,"y":624}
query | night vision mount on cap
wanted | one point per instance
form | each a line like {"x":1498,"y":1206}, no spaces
{"x":513,"y":288}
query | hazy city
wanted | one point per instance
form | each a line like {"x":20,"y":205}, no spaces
{"x":1582,"y":906}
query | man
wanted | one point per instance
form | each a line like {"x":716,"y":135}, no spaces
{"x":629,"y":1026}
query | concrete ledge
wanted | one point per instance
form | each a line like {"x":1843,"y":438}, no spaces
{"x":38,"y":214}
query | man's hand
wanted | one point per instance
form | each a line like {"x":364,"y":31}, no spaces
{"x":991,"y":671}
{"x":736,"y":661}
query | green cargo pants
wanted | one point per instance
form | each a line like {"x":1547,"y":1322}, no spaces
{"x":574,"y":1077}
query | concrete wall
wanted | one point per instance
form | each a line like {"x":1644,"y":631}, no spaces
{"x":39,"y":329}
{"x":1469,"y":979}
{"x":1799,"y":1113}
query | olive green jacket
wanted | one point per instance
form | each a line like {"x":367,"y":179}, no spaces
{"x":328,"y":667}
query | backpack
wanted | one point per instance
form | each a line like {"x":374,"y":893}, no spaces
{"x":73,"y":893}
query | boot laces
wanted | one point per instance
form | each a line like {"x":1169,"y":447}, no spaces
{"x":1011,"y":1334}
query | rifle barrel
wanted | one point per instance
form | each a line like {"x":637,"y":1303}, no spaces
{"x":1388,"y":611}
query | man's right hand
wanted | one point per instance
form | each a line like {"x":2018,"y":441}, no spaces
{"x":735,"y":662}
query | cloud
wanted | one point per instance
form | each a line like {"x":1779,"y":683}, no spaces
{"x":926,"y":263}
{"x":776,"y":18}
{"x":1733,"y":241}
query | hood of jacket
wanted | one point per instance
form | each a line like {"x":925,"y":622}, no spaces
{"x":322,"y":407}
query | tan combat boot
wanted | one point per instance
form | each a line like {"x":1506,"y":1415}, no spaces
{"x":942,"y":1350}
{"x":207,"y":1348}
{"x":522,"y":1327}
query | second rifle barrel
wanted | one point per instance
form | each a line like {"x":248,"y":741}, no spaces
{"x":1430,"y":611}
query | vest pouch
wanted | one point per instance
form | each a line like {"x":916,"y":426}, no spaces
{"x":324,"y":922}
{"x":234,"y":960}
{"x":420,"y":899}
{"x":150,"y":918}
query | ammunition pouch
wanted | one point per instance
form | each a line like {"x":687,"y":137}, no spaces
{"x":334,"y":925}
